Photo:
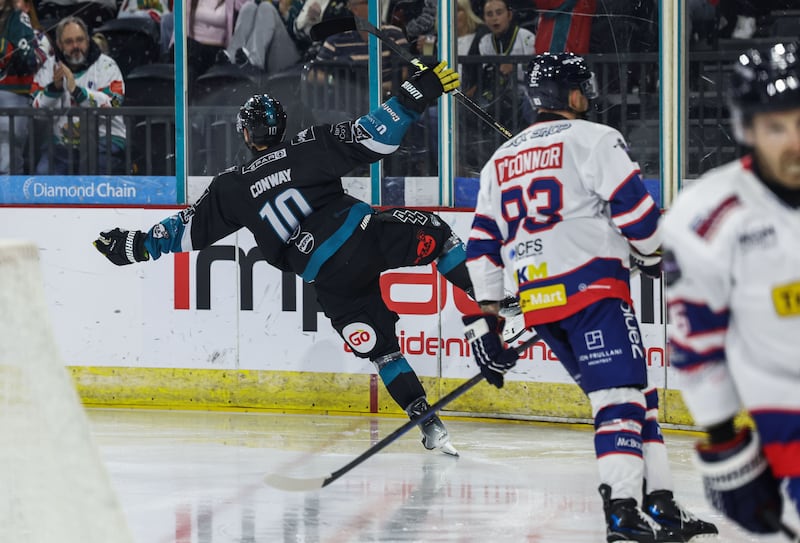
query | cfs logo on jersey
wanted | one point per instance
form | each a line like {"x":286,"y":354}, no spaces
{"x":360,"y":337}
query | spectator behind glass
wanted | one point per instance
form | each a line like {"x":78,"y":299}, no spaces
{"x":209,"y":32}
{"x":155,"y":9}
{"x":622,"y":26}
{"x":43,"y":42}
{"x":167,"y":26}
{"x":354,"y":45}
{"x":301,"y":15}
{"x":22,"y":55}
{"x":469,"y":29}
{"x":421,"y":29}
{"x":260,"y":39}
{"x":564,"y":27}
{"x":502,"y":87}
{"x":94,"y":12}
{"x":79,"y":75}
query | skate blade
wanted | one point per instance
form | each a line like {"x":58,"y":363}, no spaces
{"x":703,"y":537}
{"x":447,"y":448}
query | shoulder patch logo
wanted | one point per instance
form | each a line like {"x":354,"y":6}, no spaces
{"x":304,"y":136}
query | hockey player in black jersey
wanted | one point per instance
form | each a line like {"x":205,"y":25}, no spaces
{"x":290,"y":196}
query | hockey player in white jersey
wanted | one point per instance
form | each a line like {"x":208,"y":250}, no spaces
{"x":732,"y":268}
{"x":560,"y":210}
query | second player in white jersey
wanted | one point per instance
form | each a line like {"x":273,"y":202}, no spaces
{"x":739,"y":253}
{"x":561,"y":209}
{"x":552,"y":205}
{"x":732,"y":268}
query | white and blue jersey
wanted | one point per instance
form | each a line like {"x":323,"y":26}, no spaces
{"x":558,"y":206}
{"x":732,"y":266}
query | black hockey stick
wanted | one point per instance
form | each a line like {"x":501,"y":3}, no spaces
{"x":329,"y":27}
{"x":774,"y":521}
{"x":284,"y":482}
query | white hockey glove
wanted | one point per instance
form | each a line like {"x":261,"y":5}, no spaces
{"x":650,"y":265}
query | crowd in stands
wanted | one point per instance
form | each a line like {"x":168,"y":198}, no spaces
{"x":44,"y":68}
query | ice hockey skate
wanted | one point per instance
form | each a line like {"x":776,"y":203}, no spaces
{"x":626,"y":523}
{"x":434,"y":434}
{"x":662,"y":507}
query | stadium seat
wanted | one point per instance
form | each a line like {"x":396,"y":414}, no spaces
{"x":132,"y":41}
{"x":151,"y":85}
{"x":223,"y":85}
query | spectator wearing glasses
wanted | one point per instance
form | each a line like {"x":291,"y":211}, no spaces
{"x":80,"y":75}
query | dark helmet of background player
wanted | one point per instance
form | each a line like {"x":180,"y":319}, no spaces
{"x":551,"y":77}
{"x":764,"y":81}
{"x":264,"y":118}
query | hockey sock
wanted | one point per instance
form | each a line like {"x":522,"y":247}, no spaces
{"x":656,"y":462}
{"x":619,"y":415}
{"x":400,"y":380}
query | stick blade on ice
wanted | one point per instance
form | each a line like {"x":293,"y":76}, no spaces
{"x":329,"y":27}
{"x":294,"y":484}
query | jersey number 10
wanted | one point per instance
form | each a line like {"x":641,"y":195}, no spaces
{"x":283,"y":217}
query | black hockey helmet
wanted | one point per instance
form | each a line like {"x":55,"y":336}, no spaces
{"x":766,"y":80}
{"x":264,"y":118}
{"x":551,"y":77}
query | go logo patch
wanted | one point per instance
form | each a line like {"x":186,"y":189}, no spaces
{"x":786,"y":299}
{"x":360,"y":336}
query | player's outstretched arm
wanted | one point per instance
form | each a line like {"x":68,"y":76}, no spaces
{"x":122,"y":247}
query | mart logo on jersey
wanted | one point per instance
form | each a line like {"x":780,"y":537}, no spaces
{"x":786,"y":299}
{"x":528,"y":161}
{"x":542,"y":298}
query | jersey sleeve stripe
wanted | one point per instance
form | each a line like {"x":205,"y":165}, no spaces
{"x":779,"y":430}
{"x":686,"y":358}
{"x":477,"y":248}
{"x":644,"y":206}
{"x":701,"y":319}
{"x":633,"y":210}
{"x":482,"y":223}
{"x":624,"y":186}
